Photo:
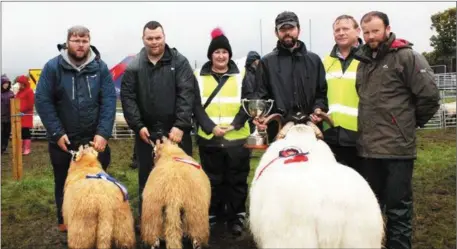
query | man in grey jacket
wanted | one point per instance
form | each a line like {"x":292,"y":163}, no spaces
{"x":397,"y":94}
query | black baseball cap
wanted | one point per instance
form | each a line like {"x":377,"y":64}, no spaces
{"x":286,"y":18}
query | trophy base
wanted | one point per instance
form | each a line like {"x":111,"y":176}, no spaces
{"x":256,"y":142}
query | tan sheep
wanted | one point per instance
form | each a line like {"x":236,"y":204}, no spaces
{"x":176,"y":188}
{"x":95,"y":210}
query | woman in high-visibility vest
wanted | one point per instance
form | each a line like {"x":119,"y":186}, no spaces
{"x":222,"y":132}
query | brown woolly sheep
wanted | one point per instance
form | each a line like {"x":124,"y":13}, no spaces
{"x":95,"y":210}
{"x":176,"y":188}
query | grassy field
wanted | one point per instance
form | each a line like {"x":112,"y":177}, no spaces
{"x":28,"y":210}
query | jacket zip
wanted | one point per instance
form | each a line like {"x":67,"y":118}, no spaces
{"x":73,"y":81}
{"x":88,"y":86}
{"x":394,"y":121}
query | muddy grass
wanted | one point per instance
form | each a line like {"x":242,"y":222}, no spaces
{"x":28,"y":210}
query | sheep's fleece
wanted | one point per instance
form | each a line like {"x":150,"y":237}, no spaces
{"x":308,"y":200}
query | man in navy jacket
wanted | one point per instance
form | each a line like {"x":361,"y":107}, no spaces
{"x":76,"y":101}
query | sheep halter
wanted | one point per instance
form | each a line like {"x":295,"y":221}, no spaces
{"x":187,"y":161}
{"x":105,"y":176}
{"x":288,"y":155}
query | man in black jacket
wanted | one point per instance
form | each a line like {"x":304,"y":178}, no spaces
{"x":157,"y":94}
{"x":291,"y":75}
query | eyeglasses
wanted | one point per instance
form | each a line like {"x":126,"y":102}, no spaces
{"x":83,"y":42}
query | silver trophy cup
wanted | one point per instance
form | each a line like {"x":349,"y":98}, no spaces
{"x":257,"y":109}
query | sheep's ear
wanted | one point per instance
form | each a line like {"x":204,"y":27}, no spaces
{"x":78,"y":155}
{"x":166,"y":140}
{"x":92,"y":150}
{"x":80,"y":149}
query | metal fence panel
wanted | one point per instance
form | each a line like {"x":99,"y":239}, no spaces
{"x":445,"y":117}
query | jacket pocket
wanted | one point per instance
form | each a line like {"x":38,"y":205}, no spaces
{"x":399,"y":128}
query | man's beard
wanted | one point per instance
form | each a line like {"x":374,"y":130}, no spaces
{"x":77,"y":60}
{"x":379,"y":43}
{"x":289,"y":44}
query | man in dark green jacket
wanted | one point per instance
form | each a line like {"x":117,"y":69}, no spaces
{"x":397,"y":94}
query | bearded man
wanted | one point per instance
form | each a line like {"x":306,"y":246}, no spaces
{"x":157,"y":95}
{"x":291,"y":75}
{"x":76,"y":101}
{"x":397,"y":93}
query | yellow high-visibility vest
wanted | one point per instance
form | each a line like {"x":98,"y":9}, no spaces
{"x":224,"y":106}
{"x":342,"y":96}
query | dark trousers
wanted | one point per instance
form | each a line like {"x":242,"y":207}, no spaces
{"x":391,"y":181}
{"x":6,"y":132}
{"x":60,"y":161}
{"x":26,"y":134}
{"x":144,"y":157}
{"x":228,"y":170}
{"x":346,"y":155}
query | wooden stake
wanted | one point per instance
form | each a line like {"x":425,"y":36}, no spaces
{"x":17,"y":138}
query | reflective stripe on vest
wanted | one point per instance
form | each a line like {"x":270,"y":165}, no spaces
{"x":342,"y":96}
{"x":224,"y":106}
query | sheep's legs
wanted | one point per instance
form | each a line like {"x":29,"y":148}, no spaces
{"x":196,"y":226}
{"x":196,"y":244}
{"x":156,"y":244}
{"x":152,"y":222}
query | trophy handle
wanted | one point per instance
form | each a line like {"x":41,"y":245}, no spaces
{"x":271,"y":106}
{"x":244,"y":108}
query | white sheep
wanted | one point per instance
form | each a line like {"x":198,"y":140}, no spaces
{"x":306,"y":199}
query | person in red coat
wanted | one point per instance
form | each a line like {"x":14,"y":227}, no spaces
{"x":27,"y":98}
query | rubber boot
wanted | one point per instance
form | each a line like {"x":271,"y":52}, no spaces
{"x":26,"y":144}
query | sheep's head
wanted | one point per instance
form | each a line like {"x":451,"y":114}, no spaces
{"x":306,"y":137}
{"x":86,"y":156}
{"x":166,"y":148}
{"x":301,"y":132}
{"x":288,"y":126}
{"x":303,"y":138}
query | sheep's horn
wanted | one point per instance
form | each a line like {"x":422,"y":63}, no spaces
{"x":273,"y":117}
{"x":278,"y":118}
{"x":282,"y":132}
{"x":316,"y":129}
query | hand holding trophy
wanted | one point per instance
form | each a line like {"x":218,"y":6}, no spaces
{"x":258,"y":109}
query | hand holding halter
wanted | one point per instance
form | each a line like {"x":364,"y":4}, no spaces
{"x":300,"y":118}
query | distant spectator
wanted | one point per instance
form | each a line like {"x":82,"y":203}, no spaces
{"x":252,"y":61}
{"x":27,"y":100}
{"x":7,"y":94}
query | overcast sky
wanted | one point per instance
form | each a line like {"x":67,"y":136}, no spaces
{"x":31,"y":30}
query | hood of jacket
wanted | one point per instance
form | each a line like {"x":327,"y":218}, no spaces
{"x":5,"y":79}
{"x":93,"y":55}
{"x":24,"y":80}
{"x":251,"y":57}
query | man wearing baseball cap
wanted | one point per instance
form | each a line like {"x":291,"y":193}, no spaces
{"x":291,"y":75}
